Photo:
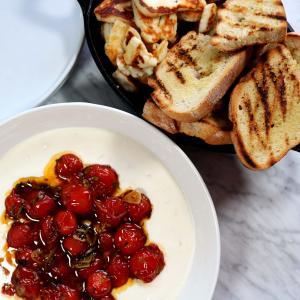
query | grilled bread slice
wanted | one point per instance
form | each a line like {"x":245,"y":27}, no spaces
{"x":193,"y":77}
{"x":156,"y":8}
{"x":265,"y":110}
{"x":214,"y":130}
{"x":249,"y":22}
{"x":154,"y":29}
{"x":157,"y":117}
{"x":113,"y":10}
{"x":293,"y":43}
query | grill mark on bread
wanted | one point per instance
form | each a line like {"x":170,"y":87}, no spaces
{"x":183,"y":55}
{"x":164,"y":90}
{"x":245,"y":10}
{"x":244,"y":152}
{"x":262,"y":90}
{"x":178,"y":74}
{"x":281,"y":85}
{"x":227,"y":36}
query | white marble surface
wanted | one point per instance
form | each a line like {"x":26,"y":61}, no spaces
{"x":259,"y":213}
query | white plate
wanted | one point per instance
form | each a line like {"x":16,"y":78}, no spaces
{"x":144,"y":158}
{"x":40,"y":41}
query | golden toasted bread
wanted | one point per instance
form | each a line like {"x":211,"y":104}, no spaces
{"x":113,"y":10}
{"x":293,"y":43}
{"x":265,"y":110}
{"x":214,"y":130}
{"x":249,"y":22}
{"x":157,"y":117}
{"x":193,"y":77}
{"x":156,"y":8}
{"x":154,"y":29}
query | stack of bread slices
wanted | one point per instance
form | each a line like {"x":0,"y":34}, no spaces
{"x":235,"y":78}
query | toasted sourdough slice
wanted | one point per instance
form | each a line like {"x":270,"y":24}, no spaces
{"x":157,"y":117}
{"x":193,"y":77}
{"x":265,"y":110}
{"x":213,"y":130}
{"x":249,"y":22}
{"x":293,"y":43}
{"x":155,"y":8}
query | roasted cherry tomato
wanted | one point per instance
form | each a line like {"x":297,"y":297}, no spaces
{"x":106,"y":241}
{"x":118,"y":269}
{"x":111,"y":211}
{"x":74,"y":246}
{"x":26,"y":283}
{"x":103,"y":180}
{"x":40,"y":205}
{"x":138,"y":212}
{"x":129,"y":238}
{"x":21,"y":235}
{"x":147,"y":263}
{"x":66,"y":222}
{"x":98,"y":284}
{"x":67,"y":166}
{"x":49,"y":233}
{"x":77,"y":198}
{"x":14,"y":205}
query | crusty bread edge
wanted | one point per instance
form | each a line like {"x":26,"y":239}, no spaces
{"x":238,"y":144}
{"x":230,"y":73}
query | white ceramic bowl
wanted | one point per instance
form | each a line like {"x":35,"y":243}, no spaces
{"x":137,"y":143}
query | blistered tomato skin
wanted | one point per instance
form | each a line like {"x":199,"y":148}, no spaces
{"x":103,"y":180}
{"x":98,"y":284}
{"x":66,"y":222}
{"x":77,"y":198}
{"x":14,"y":205}
{"x":118,"y":269}
{"x":26,"y":283}
{"x":111,"y":211}
{"x":20,"y":235}
{"x":40,"y":206}
{"x":60,"y":268}
{"x":147,"y":263}
{"x":74,"y":246}
{"x":106,"y":241}
{"x":140,"y":211}
{"x":48,"y":232}
{"x":129,"y":238}
{"x":26,"y":257}
{"x":67,"y":166}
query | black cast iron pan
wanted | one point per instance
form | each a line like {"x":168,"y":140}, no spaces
{"x":135,"y":100}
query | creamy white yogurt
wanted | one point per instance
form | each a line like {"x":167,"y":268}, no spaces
{"x":171,"y":225}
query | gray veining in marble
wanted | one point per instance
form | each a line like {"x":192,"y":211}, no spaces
{"x":259,"y":213}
